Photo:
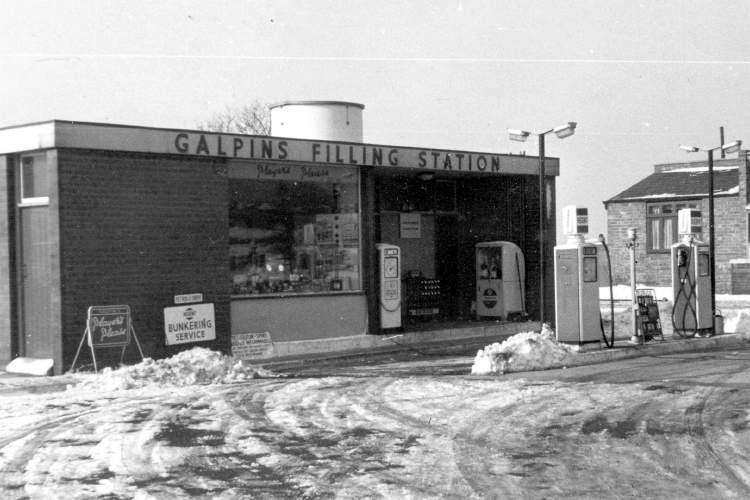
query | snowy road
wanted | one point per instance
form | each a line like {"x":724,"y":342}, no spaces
{"x":673,"y":427}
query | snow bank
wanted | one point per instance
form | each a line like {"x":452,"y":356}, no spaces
{"x":522,"y":352}
{"x":195,"y":366}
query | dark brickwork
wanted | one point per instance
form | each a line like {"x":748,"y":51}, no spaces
{"x":741,"y":278}
{"x":8,"y":348}
{"x":138,"y":229}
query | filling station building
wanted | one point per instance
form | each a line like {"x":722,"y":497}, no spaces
{"x":252,"y":245}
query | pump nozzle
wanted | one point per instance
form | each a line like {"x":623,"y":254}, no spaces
{"x":601,"y":238}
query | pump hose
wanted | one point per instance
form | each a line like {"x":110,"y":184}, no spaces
{"x":611,"y":343}
{"x":687,"y":289}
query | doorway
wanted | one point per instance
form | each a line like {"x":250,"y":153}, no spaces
{"x":447,"y":244}
{"x":34,"y":258}
{"x":421,"y":218}
{"x":35,"y":269}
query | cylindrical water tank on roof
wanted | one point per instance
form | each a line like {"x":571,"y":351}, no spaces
{"x":322,"y":120}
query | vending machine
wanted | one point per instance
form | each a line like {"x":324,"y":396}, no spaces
{"x":500,"y":278}
{"x":389,"y":258}
{"x":691,"y":277}
{"x":577,"y":281}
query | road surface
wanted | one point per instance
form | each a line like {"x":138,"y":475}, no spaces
{"x":668,"y":427}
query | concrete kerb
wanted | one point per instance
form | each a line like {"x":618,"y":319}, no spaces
{"x":654,"y":348}
{"x":434,"y":342}
{"x":461,"y":346}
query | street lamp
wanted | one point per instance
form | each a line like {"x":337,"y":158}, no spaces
{"x":731,"y":147}
{"x":561,"y":132}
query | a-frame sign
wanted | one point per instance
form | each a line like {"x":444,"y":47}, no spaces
{"x":108,"y":326}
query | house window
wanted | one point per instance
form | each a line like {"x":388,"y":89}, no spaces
{"x":293,"y":229}
{"x":33,"y":180}
{"x":661,"y":225}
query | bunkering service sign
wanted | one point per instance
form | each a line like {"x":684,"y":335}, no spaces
{"x":189,"y":323}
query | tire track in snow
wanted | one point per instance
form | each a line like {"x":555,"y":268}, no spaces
{"x":717,"y":400}
{"x":23,"y":452}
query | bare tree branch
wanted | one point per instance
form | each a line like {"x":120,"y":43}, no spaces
{"x":252,"y":119}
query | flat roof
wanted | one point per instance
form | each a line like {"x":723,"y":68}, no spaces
{"x":311,"y":102}
{"x":186,"y":142}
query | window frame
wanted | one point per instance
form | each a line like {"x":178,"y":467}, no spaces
{"x":237,"y":165}
{"x":31,"y":201}
{"x":675,"y":206}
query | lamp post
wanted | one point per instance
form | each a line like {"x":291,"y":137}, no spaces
{"x":561,"y":132}
{"x":731,"y":147}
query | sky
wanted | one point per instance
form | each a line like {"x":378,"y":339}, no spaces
{"x":639,"y":78}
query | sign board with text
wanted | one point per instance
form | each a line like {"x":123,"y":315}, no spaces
{"x":189,"y":323}
{"x":410,"y":225}
{"x":252,"y":345}
{"x":108,"y":326}
{"x":188,"y":298}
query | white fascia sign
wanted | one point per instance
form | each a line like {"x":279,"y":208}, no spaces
{"x":189,"y":323}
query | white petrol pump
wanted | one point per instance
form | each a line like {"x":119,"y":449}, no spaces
{"x":500,"y":277}
{"x":691,"y":277}
{"x":389,"y":258}
{"x":577,"y":281}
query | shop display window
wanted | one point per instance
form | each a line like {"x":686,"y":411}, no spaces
{"x":293,"y":229}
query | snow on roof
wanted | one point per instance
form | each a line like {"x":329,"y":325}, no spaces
{"x":726,"y":192}
{"x":703,"y":169}
{"x":689,"y":182}
{"x":662,"y":195}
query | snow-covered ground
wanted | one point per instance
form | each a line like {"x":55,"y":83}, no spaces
{"x":203,"y":425}
{"x":187,"y":428}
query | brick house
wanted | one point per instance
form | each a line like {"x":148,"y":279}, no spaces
{"x":651,"y":206}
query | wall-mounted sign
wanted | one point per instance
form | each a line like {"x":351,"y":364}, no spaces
{"x":188,"y":298}
{"x":58,"y":134}
{"x":252,"y":345}
{"x":191,"y":323}
{"x":410,"y":225}
{"x":109,"y":326}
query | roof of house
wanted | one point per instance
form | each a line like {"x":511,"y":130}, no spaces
{"x":687,"y":182}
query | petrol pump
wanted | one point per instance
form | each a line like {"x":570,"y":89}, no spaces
{"x":577,"y":316}
{"x":691,"y":278}
{"x":500,"y":277}
{"x":389,"y":258}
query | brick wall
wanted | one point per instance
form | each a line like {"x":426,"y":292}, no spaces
{"x":620,"y":217}
{"x":138,"y":229}
{"x":654,"y":268}
{"x":729,"y":231}
{"x":741,"y":278}
{"x":8,"y":349}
